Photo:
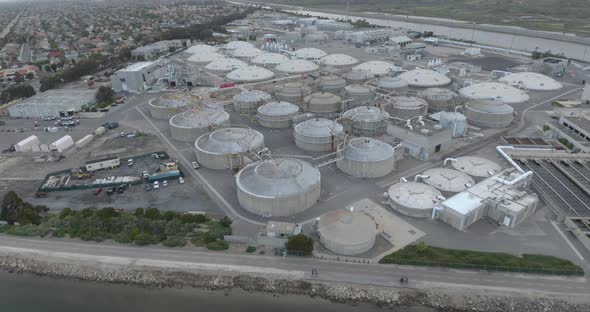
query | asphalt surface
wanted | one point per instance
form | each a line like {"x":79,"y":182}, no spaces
{"x":368,"y":274}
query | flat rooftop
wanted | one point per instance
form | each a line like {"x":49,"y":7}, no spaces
{"x":581,"y":122}
{"x":71,"y":98}
{"x":431,"y":127}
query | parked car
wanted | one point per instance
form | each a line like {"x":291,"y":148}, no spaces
{"x":195,"y":165}
{"x":98,"y":191}
{"x":165,"y":183}
{"x":111,"y":191}
{"x":156,"y":185}
{"x":145,"y":174}
{"x":180,"y":180}
{"x":130,"y":162}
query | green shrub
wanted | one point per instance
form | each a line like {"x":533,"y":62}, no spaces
{"x":169,"y":215}
{"x":174,"y":242}
{"x":143,"y":239}
{"x":193,"y":218}
{"x":218,"y":245}
{"x":153,"y":213}
{"x":250,"y":249}
{"x":299,"y":243}
{"x":546,"y":128}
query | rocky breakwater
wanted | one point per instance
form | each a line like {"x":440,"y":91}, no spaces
{"x":131,"y":272}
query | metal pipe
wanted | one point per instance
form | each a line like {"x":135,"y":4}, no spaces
{"x":500,"y":149}
{"x":515,"y":180}
{"x":420,"y":176}
{"x":403,"y":180}
{"x":447,"y":160}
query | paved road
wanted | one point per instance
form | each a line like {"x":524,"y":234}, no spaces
{"x":369,"y":274}
{"x":8,"y":27}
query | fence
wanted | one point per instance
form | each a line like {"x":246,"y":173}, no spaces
{"x":485,"y":267}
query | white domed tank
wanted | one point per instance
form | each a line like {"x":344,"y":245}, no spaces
{"x":358,"y":76}
{"x":250,"y":74}
{"x":456,"y":122}
{"x":347,"y":232}
{"x":201,"y":48}
{"x":322,"y":103}
{"x":293,"y":92}
{"x":478,"y":167}
{"x":318,"y":135}
{"x":277,"y":114}
{"x":225,"y":148}
{"x":494,"y":91}
{"x":366,"y":158}
{"x":332,"y":83}
{"x":278,"y":187}
{"x":171,"y":104}
{"x":204,"y":58}
{"x":391,"y":83}
{"x":359,"y":92}
{"x":448,"y":180}
{"x":225,"y":65}
{"x":269,"y":59}
{"x":531,"y":81}
{"x":365,"y":121}
{"x":377,"y":68}
{"x":189,"y":125}
{"x":247,"y":53}
{"x":488,"y":113}
{"x":297,"y":66}
{"x":440,"y":99}
{"x":311,"y":54}
{"x":406,"y":107}
{"x":339,"y":60}
{"x":425,"y":78}
{"x":237,"y":44}
{"x":413,"y":199}
{"x":247,"y":102}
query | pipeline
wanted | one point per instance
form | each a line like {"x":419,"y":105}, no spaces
{"x":515,"y":180}
{"x":447,"y":160}
{"x":403,"y":180}
{"x":420,"y":176}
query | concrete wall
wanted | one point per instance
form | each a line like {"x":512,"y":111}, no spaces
{"x":366,"y":169}
{"x":347,"y":249}
{"x":279,"y":206}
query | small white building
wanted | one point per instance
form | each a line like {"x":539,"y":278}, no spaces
{"x":27,"y":145}
{"x":62,"y":144}
{"x":103,"y":163}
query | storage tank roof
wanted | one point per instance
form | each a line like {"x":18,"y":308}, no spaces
{"x":377,"y":68}
{"x":359,"y":74}
{"x":532,"y":81}
{"x":366,"y":114}
{"x":490,"y":107}
{"x":392,"y":83}
{"x":408,"y":102}
{"x":368,"y":150}
{"x":425,"y":78}
{"x":338,"y":60}
{"x":319,"y":127}
{"x":279,"y":177}
{"x":347,"y":228}
{"x":494,"y":91}
{"x":269,"y":59}
{"x":358,"y":89}
{"x":247,"y":52}
{"x":201,"y":48}
{"x":199,"y":118}
{"x":448,"y":180}
{"x":322,"y":98}
{"x":225,"y":64}
{"x":250,"y":73}
{"x":297,"y":67}
{"x":414,"y":195}
{"x":229,"y":141}
{"x":252,"y":96}
{"x":233,"y":45}
{"x":280,"y":108}
{"x":205,"y":57}
{"x":476,"y":166}
{"x":440,"y":94}
{"x":309,"y":53}
{"x":176,"y":99}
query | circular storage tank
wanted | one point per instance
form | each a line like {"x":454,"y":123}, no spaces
{"x":532,"y":81}
{"x":440,"y":99}
{"x":377,"y":68}
{"x":476,"y":166}
{"x":488,"y":113}
{"x":269,"y":59}
{"x":494,"y":91}
{"x":338,"y":60}
{"x":278,"y":187}
{"x":391,"y":83}
{"x":318,"y":135}
{"x":297,"y":66}
{"x":413,"y":199}
{"x":205,"y":57}
{"x":359,"y":92}
{"x":332,"y":83}
{"x":366,"y":158}
{"x":277,"y":114}
{"x":309,"y":53}
{"x":189,"y":125}
{"x":406,"y":107}
{"x":225,"y":65}
{"x":425,"y":78}
{"x":171,"y":104}
{"x":365,"y":121}
{"x":247,"y":53}
{"x":250,"y":74}
{"x":358,"y":76}
{"x":448,"y":180}
{"x":234,"y":45}
{"x":224,"y":148}
{"x":347,"y":232}
{"x":456,"y":122}
{"x":247,"y":102}
{"x":201,"y":48}
{"x":322,"y":102}
{"x":293,"y":92}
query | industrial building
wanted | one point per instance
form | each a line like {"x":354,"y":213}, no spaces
{"x":30,"y":144}
{"x":332,"y":83}
{"x":139,"y":77}
{"x":250,"y":74}
{"x":440,"y":99}
{"x":278,"y":187}
{"x":297,"y":66}
{"x":269,"y":59}
{"x":155,"y":50}
{"x":447,"y":180}
{"x":293,"y":92}
{"x":531,"y":81}
{"x":406,"y":107}
{"x":310,"y":54}
{"x":324,"y":103}
{"x":338,"y":60}
{"x":572,"y":125}
{"x":62,"y":144}
{"x":366,"y":158}
{"x":228,"y":148}
{"x":420,"y":138}
{"x":475,"y":166}
{"x":189,"y":125}
{"x":203,"y":58}
{"x":389,"y":84}
{"x":53,"y":103}
{"x":378,"y":68}
{"x":225,"y":65}
{"x":347,"y":232}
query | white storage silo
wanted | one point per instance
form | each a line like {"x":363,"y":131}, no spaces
{"x":406,"y":107}
{"x":226,"y":148}
{"x":277,"y":114}
{"x":476,"y":166}
{"x":322,"y":103}
{"x":358,"y":76}
{"x":391,"y":83}
{"x":318,"y":135}
{"x":440,"y":99}
{"x":365,"y":121}
{"x":488,"y":113}
{"x":247,"y":102}
{"x":170,"y":104}
{"x":413,"y":199}
{"x":293,"y":92}
{"x":366,"y":158}
{"x":332,"y":83}
{"x":347,"y":232}
{"x":189,"y":125}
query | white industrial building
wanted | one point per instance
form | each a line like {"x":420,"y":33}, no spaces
{"x":53,"y":103}
{"x":420,"y":138}
{"x":225,"y":65}
{"x":297,"y":66}
{"x":62,"y":144}
{"x":139,"y":77}
{"x":30,"y":144}
{"x":103,"y":163}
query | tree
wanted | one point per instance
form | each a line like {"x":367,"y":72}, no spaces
{"x":139,"y":212}
{"x":30,"y":75}
{"x":18,"y":78}
{"x":299,"y":243}
{"x":152,"y":213}
{"x":104,"y":94}
{"x":12,"y":205}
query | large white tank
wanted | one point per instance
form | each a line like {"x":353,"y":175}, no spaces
{"x":247,"y":102}
{"x":448,"y":180}
{"x":318,"y":135}
{"x":476,"y":166}
{"x":332,"y":83}
{"x":413,"y":199}
{"x":297,"y":66}
{"x":226,"y":148}
{"x":440,"y":99}
{"x":189,"y":125}
{"x":347,"y":232}
{"x":322,"y":103}
{"x":278,"y":187}
{"x":456,"y":122}
{"x":225,"y":65}
{"x":171,"y":104}
{"x":277,"y":114}
{"x":358,"y":76}
{"x":488,"y":113}
{"x":406,"y":107}
{"x":293,"y":92}
{"x":366,"y":158}
{"x":391,"y":83}
{"x":365,"y":121}
{"x":269,"y":59}
{"x":425,"y":78}
{"x":250,"y":74}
